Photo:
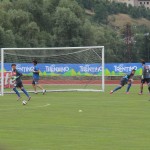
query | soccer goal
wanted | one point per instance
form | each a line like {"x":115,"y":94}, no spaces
{"x":61,"y":68}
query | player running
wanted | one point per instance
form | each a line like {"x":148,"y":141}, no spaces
{"x":127,"y":79}
{"x":36,"y":77}
{"x":145,"y":77}
{"x":16,"y":78}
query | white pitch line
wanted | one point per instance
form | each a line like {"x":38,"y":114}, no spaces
{"x":46,"y":105}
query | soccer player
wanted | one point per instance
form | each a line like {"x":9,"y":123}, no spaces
{"x":127,"y":79}
{"x":36,"y":77}
{"x":145,"y":77}
{"x":16,"y":78}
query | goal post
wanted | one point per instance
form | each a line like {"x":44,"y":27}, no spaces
{"x":61,"y":68}
{"x":2,"y":72}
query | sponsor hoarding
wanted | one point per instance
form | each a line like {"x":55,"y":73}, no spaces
{"x":112,"y":69}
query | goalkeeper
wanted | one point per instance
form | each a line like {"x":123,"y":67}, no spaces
{"x":16,"y":78}
{"x":127,"y":79}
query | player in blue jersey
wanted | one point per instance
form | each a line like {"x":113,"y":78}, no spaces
{"x":16,"y":78}
{"x":36,"y":77}
{"x":127,"y":79}
{"x":145,"y":77}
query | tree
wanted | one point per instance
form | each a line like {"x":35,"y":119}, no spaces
{"x":9,"y":39}
{"x":18,"y":18}
{"x":67,"y":31}
{"x":101,"y":13}
{"x":67,"y":28}
{"x":2,"y":34}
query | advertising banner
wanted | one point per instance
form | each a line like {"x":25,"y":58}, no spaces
{"x":7,"y":81}
{"x":111,"y":69}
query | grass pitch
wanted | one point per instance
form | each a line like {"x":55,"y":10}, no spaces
{"x":54,"y":122}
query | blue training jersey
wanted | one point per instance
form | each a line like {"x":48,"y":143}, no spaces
{"x":35,"y":74}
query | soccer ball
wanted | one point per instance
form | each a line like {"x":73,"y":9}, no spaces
{"x":24,"y":102}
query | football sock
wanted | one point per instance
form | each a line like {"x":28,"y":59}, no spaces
{"x":117,"y":88}
{"x":15,"y":90}
{"x":128,"y":87}
{"x":25,"y":92}
{"x":149,"y":87}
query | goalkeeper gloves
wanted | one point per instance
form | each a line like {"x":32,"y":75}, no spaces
{"x":14,"y":78}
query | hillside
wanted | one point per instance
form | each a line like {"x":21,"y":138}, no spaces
{"x":120,"y":20}
{"x":61,"y":23}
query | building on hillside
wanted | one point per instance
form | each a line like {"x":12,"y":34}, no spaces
{"x":145,"y":3}
{"x":136,"y":3}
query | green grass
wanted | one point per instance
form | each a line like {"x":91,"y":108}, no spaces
{"x":62,"y":87}
{"x":108,"y":122}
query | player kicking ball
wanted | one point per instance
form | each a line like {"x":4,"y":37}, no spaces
{"x":36,"y":77}
{"x":127,"y":79}
{"x":16,"y":78}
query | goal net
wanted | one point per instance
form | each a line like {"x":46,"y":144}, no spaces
{"x":61,"y":69}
